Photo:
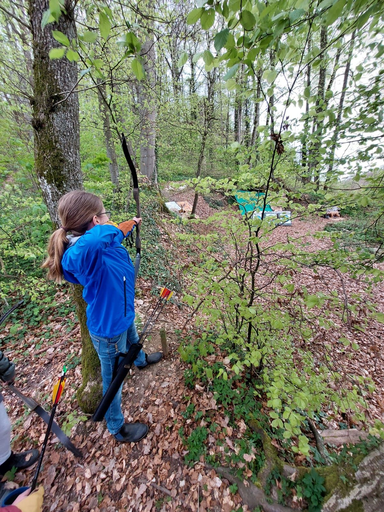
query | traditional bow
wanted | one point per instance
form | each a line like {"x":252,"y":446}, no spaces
{"x":137,"y":200}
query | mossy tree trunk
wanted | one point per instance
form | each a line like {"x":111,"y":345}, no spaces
{"x":55,"y":108}
{"x":354,"y":486}
{"x":55,"y":121}
{"x":90,"y":392}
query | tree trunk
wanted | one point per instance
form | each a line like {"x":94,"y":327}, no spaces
{"x":56,"y":126}
{"x":335,"y":136}
{"x":148,"y":111}
{"x":317,"y":131}
{"x":271,"y":103}
{"x":305,"y":177}
{"x":55,"y":112}
{"x":237,"y":117}
{"x":247,"y":124}
{"x":110,"y":146}
{"x":208,"y":116}
{"x":90,"y":392}
{"x":256,"y":115}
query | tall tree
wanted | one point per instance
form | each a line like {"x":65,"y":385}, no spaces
{"x":56,"y":127}
{"x":148,"y":111}
{"x":108,"y":136}
{"x":55,"y":108}
{"x":336,"y":132}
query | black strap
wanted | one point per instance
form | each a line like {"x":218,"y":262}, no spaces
{"x":35,"y":407}
{"x":122,"y":371}
{"x":7,"y":313}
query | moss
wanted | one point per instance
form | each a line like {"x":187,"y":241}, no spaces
{"x":89,"y":395}
{"x":90,"y":392}
{"x":355,"y":506}
{"x":272,"y":459}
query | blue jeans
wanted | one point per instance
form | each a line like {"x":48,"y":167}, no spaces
{"x":108,"y":350}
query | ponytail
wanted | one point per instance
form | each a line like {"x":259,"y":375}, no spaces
{"x":56,"y":247}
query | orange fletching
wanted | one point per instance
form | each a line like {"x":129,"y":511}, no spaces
{"x":57,"y":390}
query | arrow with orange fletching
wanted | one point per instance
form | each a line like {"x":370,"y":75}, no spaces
{"x":165,"y":295}
{"x":56,"y":394}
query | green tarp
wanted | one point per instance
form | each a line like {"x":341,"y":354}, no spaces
{"x":250,"y":202}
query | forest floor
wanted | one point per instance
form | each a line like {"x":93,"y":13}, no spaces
{"x":152,"y":474}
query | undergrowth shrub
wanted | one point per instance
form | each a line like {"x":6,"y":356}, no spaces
{"x":265,"y":326}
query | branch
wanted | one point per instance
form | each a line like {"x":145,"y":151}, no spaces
{"x":12,"y":15}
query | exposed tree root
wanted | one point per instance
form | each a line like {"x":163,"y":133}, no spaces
{"x":347,"y":490}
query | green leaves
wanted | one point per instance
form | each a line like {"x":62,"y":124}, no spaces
{"x":56,"y":53}
{"x":72,"y":56}
{"x":138,"y":69}
{"x":221,"y":39}
{"x":104,"y":25}
{"x":269,"y":75}
{"x":55,"y":9}
{"x":247,"y":20}
{"x":131,"y":42}
{"x":312,"y":300}
{"x":295,"y":15}
{"x":379,"y":317}
{"x":335,"y":12}
{"x":182,"y":60}
{"x":60,"y":38}
{"x":207,"y":19}
{"x":231,"y":72}
{"x":194,"y":16}
{"x":88,"y":37}
{"x":208,"y":58}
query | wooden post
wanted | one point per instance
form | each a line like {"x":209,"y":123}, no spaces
{"x":164,"y":342}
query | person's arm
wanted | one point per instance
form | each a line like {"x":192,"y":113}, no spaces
{"x":7,"y":369}
{"x":86,"y":256}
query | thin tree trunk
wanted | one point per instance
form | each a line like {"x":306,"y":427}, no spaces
{"x":317,"y":131}
{"x":109,"y":144}
{"x":305,"y":177}
{"x":271,"y":103}
{"x":335,"y":136}
{"x":247,"y":123}
{"x":256,"y":115}
{"x":148,"y":111}
{"x":238,"y":113}
{"x":208,"y":116}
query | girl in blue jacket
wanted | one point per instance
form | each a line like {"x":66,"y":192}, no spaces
{"x":92,"y":255}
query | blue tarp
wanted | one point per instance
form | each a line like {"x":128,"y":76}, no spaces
{"x":250,"y":202}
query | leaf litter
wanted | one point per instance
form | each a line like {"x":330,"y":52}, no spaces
{"x":152,"y":475}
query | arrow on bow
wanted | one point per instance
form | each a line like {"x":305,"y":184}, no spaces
{"x":137,"y":200}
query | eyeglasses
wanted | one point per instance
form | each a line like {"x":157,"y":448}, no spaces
{"x":108,"y":214}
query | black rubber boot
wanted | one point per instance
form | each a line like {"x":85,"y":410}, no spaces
{"x":151,"y":359}
{"x":20,"y":460}
{"x":131,"y":433}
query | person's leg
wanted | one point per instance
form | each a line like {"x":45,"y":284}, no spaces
{"x":9,"y":460}
{"x":133,"y":338}
{"x":142,"y":359}
{"x":108,"y":350}
{"x":5,"y":434}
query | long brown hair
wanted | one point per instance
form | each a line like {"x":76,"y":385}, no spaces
{"x":76,"y":210}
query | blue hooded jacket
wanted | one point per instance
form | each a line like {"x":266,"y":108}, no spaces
{"x":99,"y":262}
